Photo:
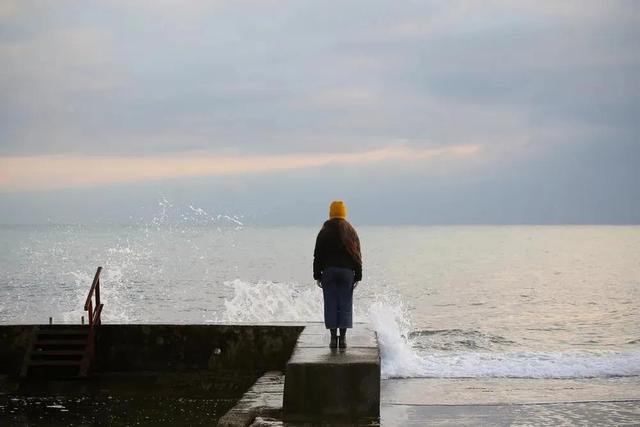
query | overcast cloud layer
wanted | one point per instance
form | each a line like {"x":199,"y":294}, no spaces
{"x":503,"y":112}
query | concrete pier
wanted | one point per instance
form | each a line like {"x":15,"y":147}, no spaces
{"x":321,"y":383}
{"x":296,"y":378}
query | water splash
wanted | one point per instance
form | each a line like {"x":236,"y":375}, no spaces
{"x":265,"y":302}
{"x":170,"y":217}
{"x":81,"y":282}
{"x":133,"y":271}
{"x":403,"y":353}
{"x":392,"y":324}
{"x":406,"y":355}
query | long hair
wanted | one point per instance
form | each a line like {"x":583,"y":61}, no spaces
{"x":349,"y":239}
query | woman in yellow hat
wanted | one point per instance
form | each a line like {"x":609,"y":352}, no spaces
{"x":337,"y":268}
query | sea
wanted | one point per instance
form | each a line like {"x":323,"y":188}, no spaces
{"x":477,"y":325}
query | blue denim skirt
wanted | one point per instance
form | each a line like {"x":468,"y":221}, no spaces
{"x":337,"y":289}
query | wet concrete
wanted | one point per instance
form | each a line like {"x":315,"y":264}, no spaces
{"x":315,"y":335}
{"x":416,"y":402}
{"x":155,"y":373}
{"x":204,"y":368}
{"x":263,"y":400}
{"x":321,"y":386}
{"x":512,"y":391}
{"x":339,"y":384}
{"x":150,"y":410}
{"x":551,"y":414}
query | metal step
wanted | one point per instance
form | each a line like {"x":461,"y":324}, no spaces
{"x":56,"y":351}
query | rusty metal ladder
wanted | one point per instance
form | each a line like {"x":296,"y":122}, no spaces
{"x":65,"y":351}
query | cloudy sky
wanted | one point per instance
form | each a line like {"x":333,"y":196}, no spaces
{"x":417,"y":112}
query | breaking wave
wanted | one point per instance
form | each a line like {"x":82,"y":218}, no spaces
{"x":271,"y":302}
{"x":449,"y":353}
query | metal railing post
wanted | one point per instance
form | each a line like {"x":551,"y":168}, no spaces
{"x":93,"y":313}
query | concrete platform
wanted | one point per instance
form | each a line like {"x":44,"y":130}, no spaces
{"x":316,"y":336}
{"x":321,"y":383}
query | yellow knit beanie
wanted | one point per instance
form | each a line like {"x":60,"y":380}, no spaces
{"x":338,"y":210}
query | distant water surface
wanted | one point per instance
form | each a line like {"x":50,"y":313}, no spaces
{"x":536,"y":302}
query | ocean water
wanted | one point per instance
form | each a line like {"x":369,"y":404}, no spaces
{"x":557,"y":307}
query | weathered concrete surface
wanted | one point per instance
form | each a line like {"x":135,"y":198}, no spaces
{"x":184,"y":348}
{"x":200,"y":361}
{"x":263,"y":401}
{"x":316,"y":336}
{"x":321,"y":383}
{"x":170,"y":348}
{"x":14,"y":341}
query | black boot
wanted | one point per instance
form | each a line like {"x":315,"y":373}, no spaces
{"x":334,"y":339}
{"x":342,"y":341}
{"x":334,"y":342}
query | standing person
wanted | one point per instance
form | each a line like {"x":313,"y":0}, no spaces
{"x":337,"y":269}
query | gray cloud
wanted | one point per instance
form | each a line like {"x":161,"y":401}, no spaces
{"x":527,"y":80}
{"x":114,"y":78}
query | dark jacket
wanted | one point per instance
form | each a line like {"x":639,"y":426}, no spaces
{"x":331,"y":252}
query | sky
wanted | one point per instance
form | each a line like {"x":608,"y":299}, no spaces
{"x":413,"y":112}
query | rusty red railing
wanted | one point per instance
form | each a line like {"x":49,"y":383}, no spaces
{"x":93,"y":316}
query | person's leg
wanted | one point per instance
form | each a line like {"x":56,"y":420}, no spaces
{"x":342,"y":339}
{"x":344,"y":298}
{"x":330,"y":304}
{"x":333,"y":343}
{"x":345,"y":305}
